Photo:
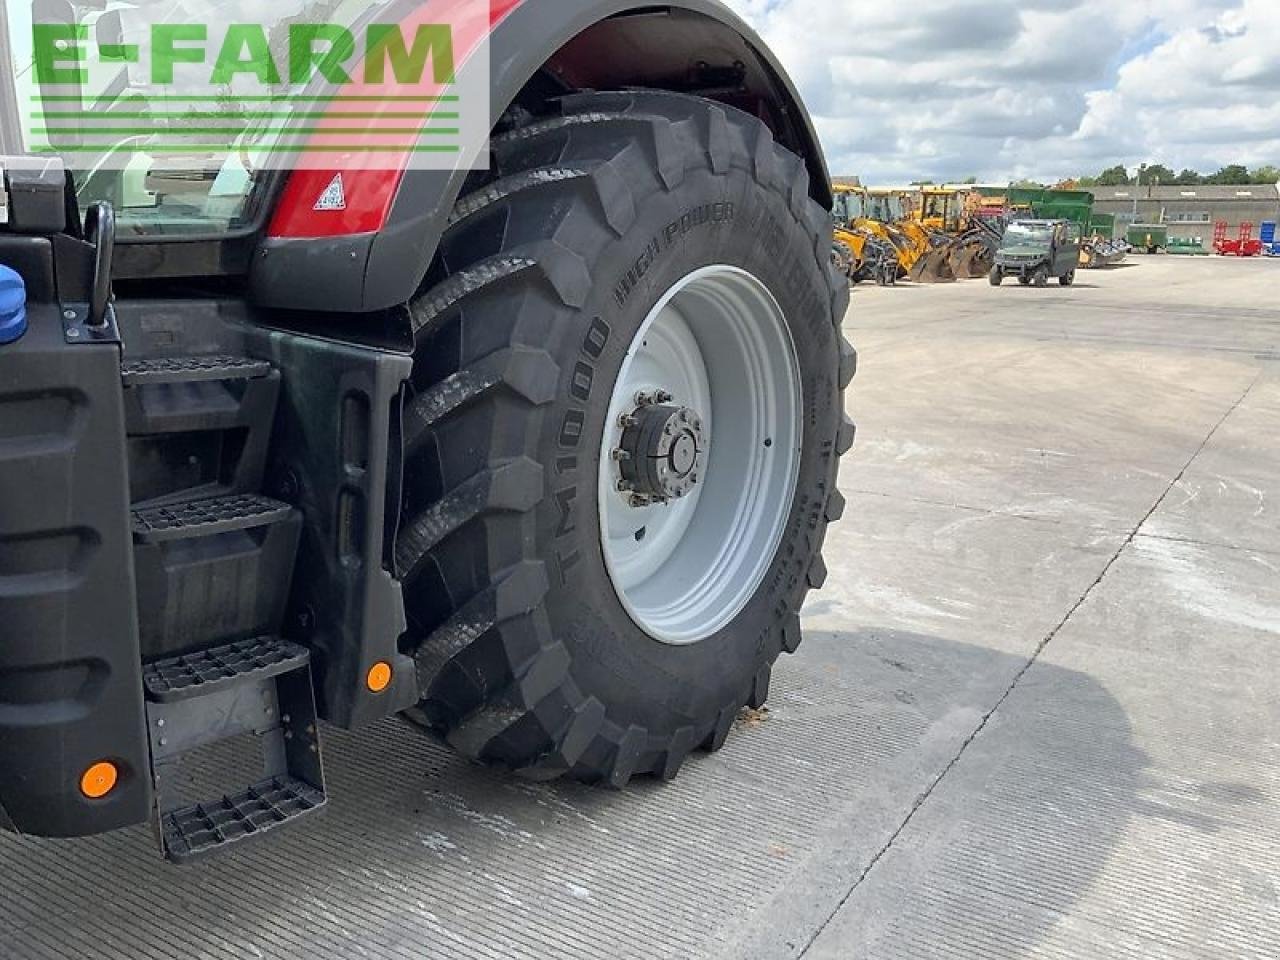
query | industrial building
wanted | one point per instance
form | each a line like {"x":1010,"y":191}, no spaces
{"x":1190,"y":211}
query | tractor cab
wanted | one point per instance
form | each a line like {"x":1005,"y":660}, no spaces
{"x":848,"y":204}
{"x":885,"y":206}
{"x":941,"y":208}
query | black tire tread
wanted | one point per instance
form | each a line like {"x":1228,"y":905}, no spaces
{"x":529,"y":715}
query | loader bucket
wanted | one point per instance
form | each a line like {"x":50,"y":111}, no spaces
{"x":933,"y":267}
{"x":971,"y":260}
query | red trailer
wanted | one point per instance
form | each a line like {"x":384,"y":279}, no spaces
{"x":1244,"y":244}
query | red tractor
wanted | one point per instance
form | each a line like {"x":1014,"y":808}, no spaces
{"x":541,"y":455}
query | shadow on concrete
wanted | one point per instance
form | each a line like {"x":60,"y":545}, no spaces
{"x":1021,"y":826}
{"x":421,"y":854}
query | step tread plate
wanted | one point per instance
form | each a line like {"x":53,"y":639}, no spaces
{"x":204,"y":828}
{"x":206,"y":517}
{"x":136,"y":373}
{"x":208,"y":671}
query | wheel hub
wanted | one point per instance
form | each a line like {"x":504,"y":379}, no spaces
{"x":661,"y":451}
{"x":700,"y":455}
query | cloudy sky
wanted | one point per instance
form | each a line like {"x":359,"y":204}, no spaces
{"x":1003,"y":89}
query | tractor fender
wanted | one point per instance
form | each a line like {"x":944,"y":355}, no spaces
{"x":600,"y":44}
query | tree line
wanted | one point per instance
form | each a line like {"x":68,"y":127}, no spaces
{"x":1234,"y":174}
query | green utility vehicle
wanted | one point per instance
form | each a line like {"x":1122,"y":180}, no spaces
{"x":1035,"y":250}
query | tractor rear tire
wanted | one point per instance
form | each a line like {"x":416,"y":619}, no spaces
{"x":531,"y":654}
{"x":1067,"y":279}
{"x":996,"y":276}
{"x":1024,"y":279}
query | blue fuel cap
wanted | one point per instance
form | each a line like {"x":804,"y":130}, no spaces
{"x":13,"y":305}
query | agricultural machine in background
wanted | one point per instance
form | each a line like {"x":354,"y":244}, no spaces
{"x":1187,"y":247}
{"x":860,"y":251}
{"x":1096,"y":252}
{"x":1243,"y":244}
{"x":954,"y":217}
{"x":1147,"y":237}
{"x":1267,"y":234}
{"x":923,"y":257}
{"x":877,"y":241}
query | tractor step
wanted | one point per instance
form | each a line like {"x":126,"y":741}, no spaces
{"x":197,"y":423}
{"x":205,"y":828}
{"x":191,"y":369}
{"x":212,"y":570}
{"x":196,"y":674}
{"x":207,"y":517}
{"x":261,"y":687}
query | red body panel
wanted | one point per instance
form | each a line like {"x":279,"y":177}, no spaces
{"x":368,"y":192}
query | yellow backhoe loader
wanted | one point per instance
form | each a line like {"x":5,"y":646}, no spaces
{"x":879,"y":216}
{"x":950,"y":214}
{"x":859,"y":250}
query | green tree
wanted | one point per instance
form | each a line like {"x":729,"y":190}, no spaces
{"x":1116,"y":176}
{"x":1158,"y":173}
{"x":1233,"y":174}
{"x":1187,"y":178}
{"x":1265,"y":174}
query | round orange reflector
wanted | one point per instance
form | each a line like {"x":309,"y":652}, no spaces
{"x":379,"y":677}
{"x":99,"y":780}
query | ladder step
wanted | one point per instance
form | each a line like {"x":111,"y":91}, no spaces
{"x":207,"y":671}
{"x":204,"y":518}
{"x":205,"y":828}
{"x":136,"y":373}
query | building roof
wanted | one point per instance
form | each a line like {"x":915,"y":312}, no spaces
{"x":1254,"y":192}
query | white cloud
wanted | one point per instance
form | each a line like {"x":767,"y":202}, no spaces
{"x":1001,"y":89}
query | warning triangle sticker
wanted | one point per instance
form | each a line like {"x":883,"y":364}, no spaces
{"x":334,"y":197}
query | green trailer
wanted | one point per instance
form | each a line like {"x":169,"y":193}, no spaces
{"x":1046,"y":203}
{"x":1187,"y":247}
{"x":1148,"y":237}
{"x":1102,"y":225}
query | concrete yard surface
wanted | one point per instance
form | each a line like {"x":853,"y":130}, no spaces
{"x":1036,"y":713}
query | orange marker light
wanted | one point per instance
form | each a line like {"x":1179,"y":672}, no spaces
{"x":99,"y":780}
{"x":379,"y":677}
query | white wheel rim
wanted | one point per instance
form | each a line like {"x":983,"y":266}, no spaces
{"x":717,"y":342}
